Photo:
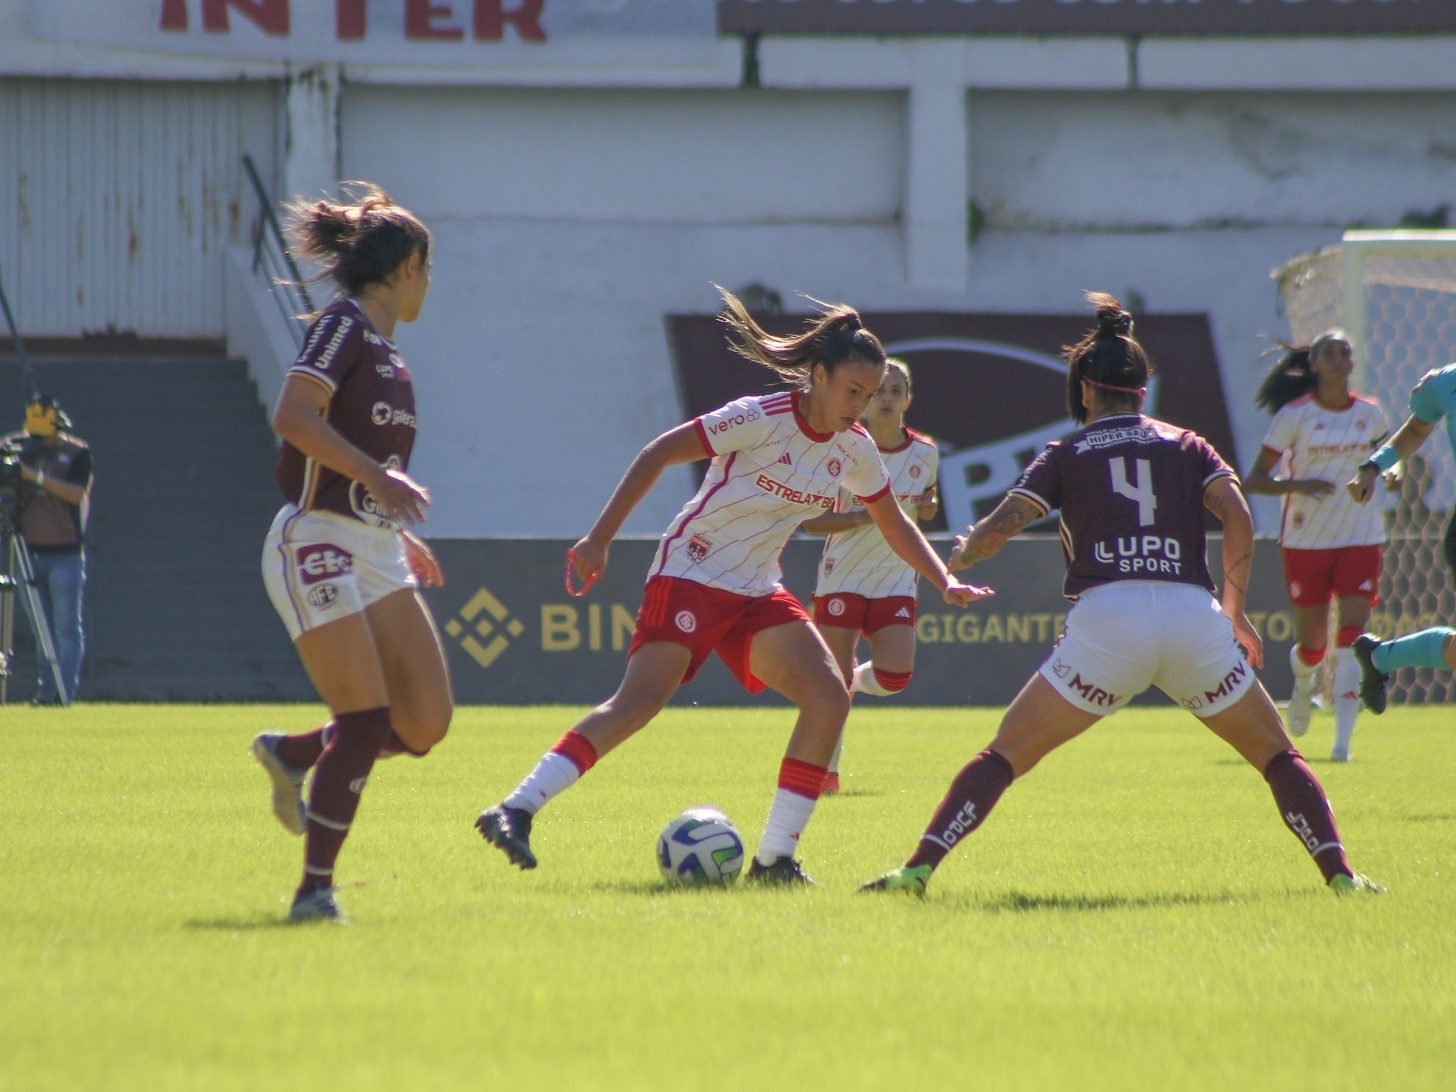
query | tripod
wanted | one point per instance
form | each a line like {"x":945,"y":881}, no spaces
{"x":19,"y":576}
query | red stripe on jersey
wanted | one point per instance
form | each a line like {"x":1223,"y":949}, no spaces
{"x":667,"y":543}
{"x":802,"y":778}
{"x":703,"y":436}
{"x":817,"y":437}
{"x":876,"y":496}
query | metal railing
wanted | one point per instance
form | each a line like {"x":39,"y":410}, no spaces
{"x":27,"y":373}
{"x":273,"y":260}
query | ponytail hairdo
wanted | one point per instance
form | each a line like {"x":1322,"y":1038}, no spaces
{"x":836,"y":337}
{"x":1292,"y":375}
{"x":359,"y":243}
{"x":1109,"y":358}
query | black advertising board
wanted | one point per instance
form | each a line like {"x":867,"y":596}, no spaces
{"x":514,"y":636}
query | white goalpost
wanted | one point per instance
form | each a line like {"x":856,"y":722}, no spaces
{"x":1394,"y":293}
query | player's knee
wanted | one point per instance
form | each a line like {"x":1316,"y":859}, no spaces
{"x":893,"y":681}
{"x":1346,"y":635}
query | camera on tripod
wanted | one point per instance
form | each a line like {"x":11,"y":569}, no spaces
{"x":10,"y":479}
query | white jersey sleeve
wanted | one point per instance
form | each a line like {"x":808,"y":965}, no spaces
{"x":738,"y":426}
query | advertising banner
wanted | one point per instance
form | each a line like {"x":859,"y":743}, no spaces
{"x":1173,"y":17}
{"x":991,"y":389}
{"x":413,"y":32}
{"x":514,"y":636}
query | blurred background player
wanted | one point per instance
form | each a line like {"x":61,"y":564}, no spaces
{"x":53,"y":505}
{"x":715,"y":585}
{"x":1431,"y":400}
{"x":1321,"y":432}
{"x":340,"y":568}
{"x":1142,"y":616}
{"x":864,"y":586}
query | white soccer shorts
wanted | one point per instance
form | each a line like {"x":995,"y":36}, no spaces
{"x":1124,"y":637}
{"x":319,"y":567}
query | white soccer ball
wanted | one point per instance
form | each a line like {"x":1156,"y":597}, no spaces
{"x":700,"y":846}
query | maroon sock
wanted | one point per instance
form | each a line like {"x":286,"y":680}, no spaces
{"x":300,"y":752}
{"x":338,"y":779}
{"x":972,"y":795}
{"x":1306,"y":811}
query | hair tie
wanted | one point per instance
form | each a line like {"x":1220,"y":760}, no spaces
{"x":1120,"y":390}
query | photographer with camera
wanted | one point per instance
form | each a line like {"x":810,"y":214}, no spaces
{"x":52,"y":501}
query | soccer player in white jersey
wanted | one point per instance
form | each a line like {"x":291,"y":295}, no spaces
{"x":714,"y":585}
{"x":1322,"y":431}
{"x":864,"y":587}
{"x":1132,"y":492}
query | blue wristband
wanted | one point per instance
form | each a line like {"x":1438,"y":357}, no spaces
{"x":1384,"y":458}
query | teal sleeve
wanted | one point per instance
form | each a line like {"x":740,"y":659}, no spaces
{"x":1431,"y":401}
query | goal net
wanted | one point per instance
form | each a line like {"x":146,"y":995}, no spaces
{"x":1394,"y":293}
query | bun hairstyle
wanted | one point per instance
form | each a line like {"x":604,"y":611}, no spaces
{"x":1292,"y":375}
{"x":358,"y":243}
{"x":836,"y":337}
{"x":1109,"y":358}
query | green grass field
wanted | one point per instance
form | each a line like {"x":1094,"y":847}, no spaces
{"x":1134,"y":914}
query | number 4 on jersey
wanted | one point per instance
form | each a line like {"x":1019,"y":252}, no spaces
{"x":1140,"y":491}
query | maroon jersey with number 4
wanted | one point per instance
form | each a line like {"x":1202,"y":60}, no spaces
{"x":371,"y":404}
{"x":1130,"y":489}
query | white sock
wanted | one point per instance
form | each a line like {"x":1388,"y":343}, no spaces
{"x":1304,"y":674}
{"x":834,"y":759}
{"x":1347,"y":697}
{"x":786,"y":821}
{"x":864,"y":681}
{"x":553,"y":775}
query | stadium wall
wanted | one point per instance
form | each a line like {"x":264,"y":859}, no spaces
{"x":577,"y":206}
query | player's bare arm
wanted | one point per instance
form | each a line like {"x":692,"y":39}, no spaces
{"x":907,"y":541}
{"x":833,"y":523}
{"x":299,"y":418}
{"x":679,"y":445}
{"x":1225,"y":500}
{"x":422,"y":560}
{"x":1260,"y":479}
{"x":985,"y":539}
{"x":1406,"y":442}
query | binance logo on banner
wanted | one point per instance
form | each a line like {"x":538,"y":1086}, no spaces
{"x":484,"y":627}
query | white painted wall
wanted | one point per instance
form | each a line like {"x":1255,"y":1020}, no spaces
{"x":573,"y":209}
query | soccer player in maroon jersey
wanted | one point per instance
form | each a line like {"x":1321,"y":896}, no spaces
{"x":1322,"y":431}
{"x":340,"y":566}
{"x":715,"y":585}
{"x":1132,"y":492}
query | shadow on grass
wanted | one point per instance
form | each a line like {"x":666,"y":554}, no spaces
{"x":239,"y":925}
{"x":659,"y":889}
{"x":1021,"y":902}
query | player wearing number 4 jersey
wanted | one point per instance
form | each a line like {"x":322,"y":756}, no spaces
{"x":1320,"y":434}
{"x":1132,"y":491}
{"x":714,"y":585}
{"x":864,"y":586}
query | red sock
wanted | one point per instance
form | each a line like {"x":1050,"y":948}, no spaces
{"x":972,"y":795}
{"x":338,"y":779}
{"x":578,"y":749}
{"x":300,"y":752}
{"x":1306,"y":811}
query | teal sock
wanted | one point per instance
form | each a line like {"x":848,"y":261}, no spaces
{"x":1421,"y":649}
